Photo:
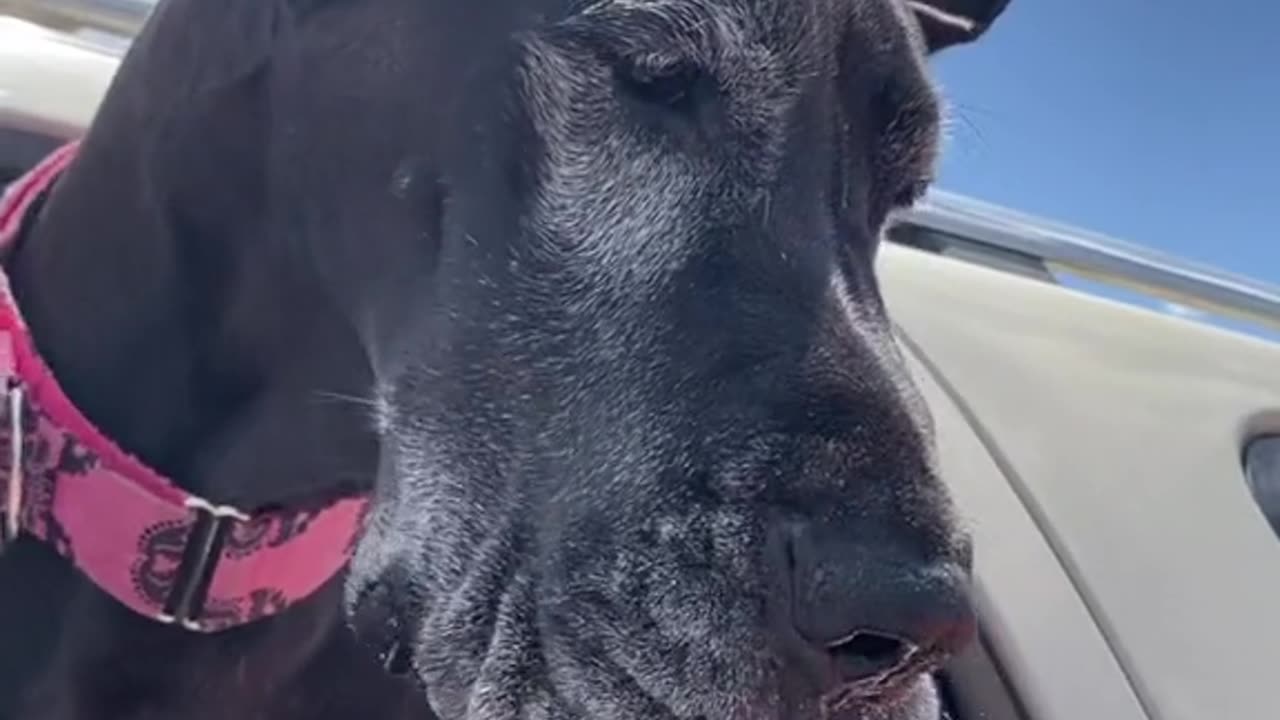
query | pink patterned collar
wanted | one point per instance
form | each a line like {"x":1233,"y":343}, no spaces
{"x":156,"y":548}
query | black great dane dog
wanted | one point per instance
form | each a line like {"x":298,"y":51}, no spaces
{"x":582,"y":289}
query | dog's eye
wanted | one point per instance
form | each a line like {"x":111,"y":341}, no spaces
{"x":672,"y":87}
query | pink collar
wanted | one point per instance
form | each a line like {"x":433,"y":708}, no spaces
{"x":161,"y":551}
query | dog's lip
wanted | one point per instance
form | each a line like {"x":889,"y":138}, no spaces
{"x":383,"y":628}
{"x":881,"y":691}
{"x":397,"y":657}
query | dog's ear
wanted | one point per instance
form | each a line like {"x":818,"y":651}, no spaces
{"x":954,"y":22}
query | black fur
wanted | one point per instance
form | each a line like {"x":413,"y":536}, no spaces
{"x":586,"y":285}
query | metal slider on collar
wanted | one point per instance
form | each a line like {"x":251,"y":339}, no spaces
{"x":199,"y":563}
{"x":12,"y":523}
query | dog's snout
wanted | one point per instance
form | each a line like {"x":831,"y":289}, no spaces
{"x":868,"y":613}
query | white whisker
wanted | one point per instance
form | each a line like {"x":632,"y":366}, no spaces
{"x":942,"y":16}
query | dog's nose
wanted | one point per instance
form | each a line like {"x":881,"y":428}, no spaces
{"x":870,"y":612}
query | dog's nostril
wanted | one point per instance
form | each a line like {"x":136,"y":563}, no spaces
{"x":867,"y":654}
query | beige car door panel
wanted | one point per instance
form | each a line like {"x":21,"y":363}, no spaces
{"x":1120,"y":433}
{"x":1039,"y":642}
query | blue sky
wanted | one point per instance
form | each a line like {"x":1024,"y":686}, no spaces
{"x":1156,"y":121}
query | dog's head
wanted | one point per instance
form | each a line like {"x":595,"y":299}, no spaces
{"x":649,"y":448}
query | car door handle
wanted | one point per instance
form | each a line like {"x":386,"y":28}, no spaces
{"x":1262,"y":472}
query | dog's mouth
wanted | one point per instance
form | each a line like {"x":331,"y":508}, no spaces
{"x":390,"y":635}
{"x":396,"y":657}
{"x":888,"y":689}
{"x":381,"y":625}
